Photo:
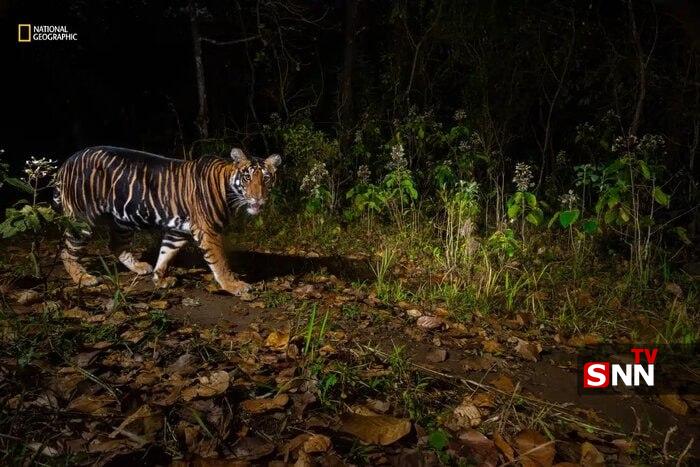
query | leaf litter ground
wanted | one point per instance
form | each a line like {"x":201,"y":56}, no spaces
{"x":309,"y":369}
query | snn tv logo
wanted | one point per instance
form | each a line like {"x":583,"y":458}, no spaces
{"x":598,"y":375}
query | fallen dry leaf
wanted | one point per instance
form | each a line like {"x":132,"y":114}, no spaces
{"x":528,"y":350}
{"x":583,"y":340}
{"x":159,"y":304}
{"x":133,"y":335}
{"x":151,"y":423}
{"x":75,"y":313}
{"x":491,"y":346}
{"x":208,"y":386}
{"x":191,"y":302}
{"x":504,"y":383}
{"x":375,"y":429}
{"x":109,"y":445}
{"x":674,"y":403}
{"x":378,"y":406}
{"x":482,"y":448}
{"x":93,"y":405}
{"x":466,"y":414}
{"x":182,"y":366}
{"x":256,"y":406}
{"x":414,"y":313}
{"x":534,"y":449}
{"x":503,"y":446}
{"x":483,"y":399}
{"x":429,"y":322}
{"x":277,"y":340}
{"x":317,"y":443}
{"x":27,"y":297}
{"x":590,"y":456}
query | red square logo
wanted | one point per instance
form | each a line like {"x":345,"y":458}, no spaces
{"x":596,"y":375}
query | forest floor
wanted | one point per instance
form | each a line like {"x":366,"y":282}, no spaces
{"x":309,"y":368}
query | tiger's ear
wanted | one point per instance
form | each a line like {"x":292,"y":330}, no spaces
{"x":273,"y":161}
{"x":238,"y":155}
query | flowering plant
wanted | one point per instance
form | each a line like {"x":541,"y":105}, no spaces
{"x":34,"y":217}
{"x":523,"y":204}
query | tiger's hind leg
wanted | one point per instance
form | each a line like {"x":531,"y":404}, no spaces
{"x":171,"y":244}
{"x":75,"y":244}
{"x":120,"y":240}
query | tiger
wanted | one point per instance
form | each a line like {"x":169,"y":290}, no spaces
{"x":186,"y":199}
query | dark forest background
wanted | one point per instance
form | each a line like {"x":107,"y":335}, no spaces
{"x":528,"y":77}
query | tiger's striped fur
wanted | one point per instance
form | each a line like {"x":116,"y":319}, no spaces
{"x":141,"y":190}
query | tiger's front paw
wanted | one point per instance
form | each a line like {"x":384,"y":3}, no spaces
{"x":236,"y":288}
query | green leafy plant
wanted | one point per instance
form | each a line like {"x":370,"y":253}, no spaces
{"x":457,"y":230}
{"x":33,"y":217}
{"x":631,"y":195}
{"x":503,"y":243}
{"x":523,"y":205}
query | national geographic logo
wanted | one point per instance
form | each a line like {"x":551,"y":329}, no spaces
{"x":44,"y":33}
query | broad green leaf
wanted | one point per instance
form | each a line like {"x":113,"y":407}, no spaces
{"x":535,"y":217}
{"x":624,"y":214}
{"x":591,"y":226}
{"x":530,"y":199}
{"x":644,"y":168}
{"x":613,"y":198}
{"x":661,"y":197}
{"x":610,"y":216}
{"x":683,"y":235}
{"x":566,"y":218}
{"x":513,"y":210}
{"x":553,"y":219}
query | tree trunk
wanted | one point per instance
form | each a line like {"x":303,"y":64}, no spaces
{"x":202,"y":114}
{"x":643,"y":63}
{"x":345,"y":107}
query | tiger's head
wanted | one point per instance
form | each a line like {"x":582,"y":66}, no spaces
{"x":252,"y":180}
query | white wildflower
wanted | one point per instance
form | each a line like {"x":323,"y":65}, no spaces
{"x":625,"y":144}
{"x":460,"y":115}
{"x":39,"y":168}
{"x":569,"y":200}
{"x":398,"y":159}
{"x":312,"y":182}
{"x":523,"y":177}
{"x":363,"y":173}
{"x":652,"y":144}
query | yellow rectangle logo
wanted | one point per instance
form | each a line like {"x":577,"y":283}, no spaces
{"x":24,"y":33}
